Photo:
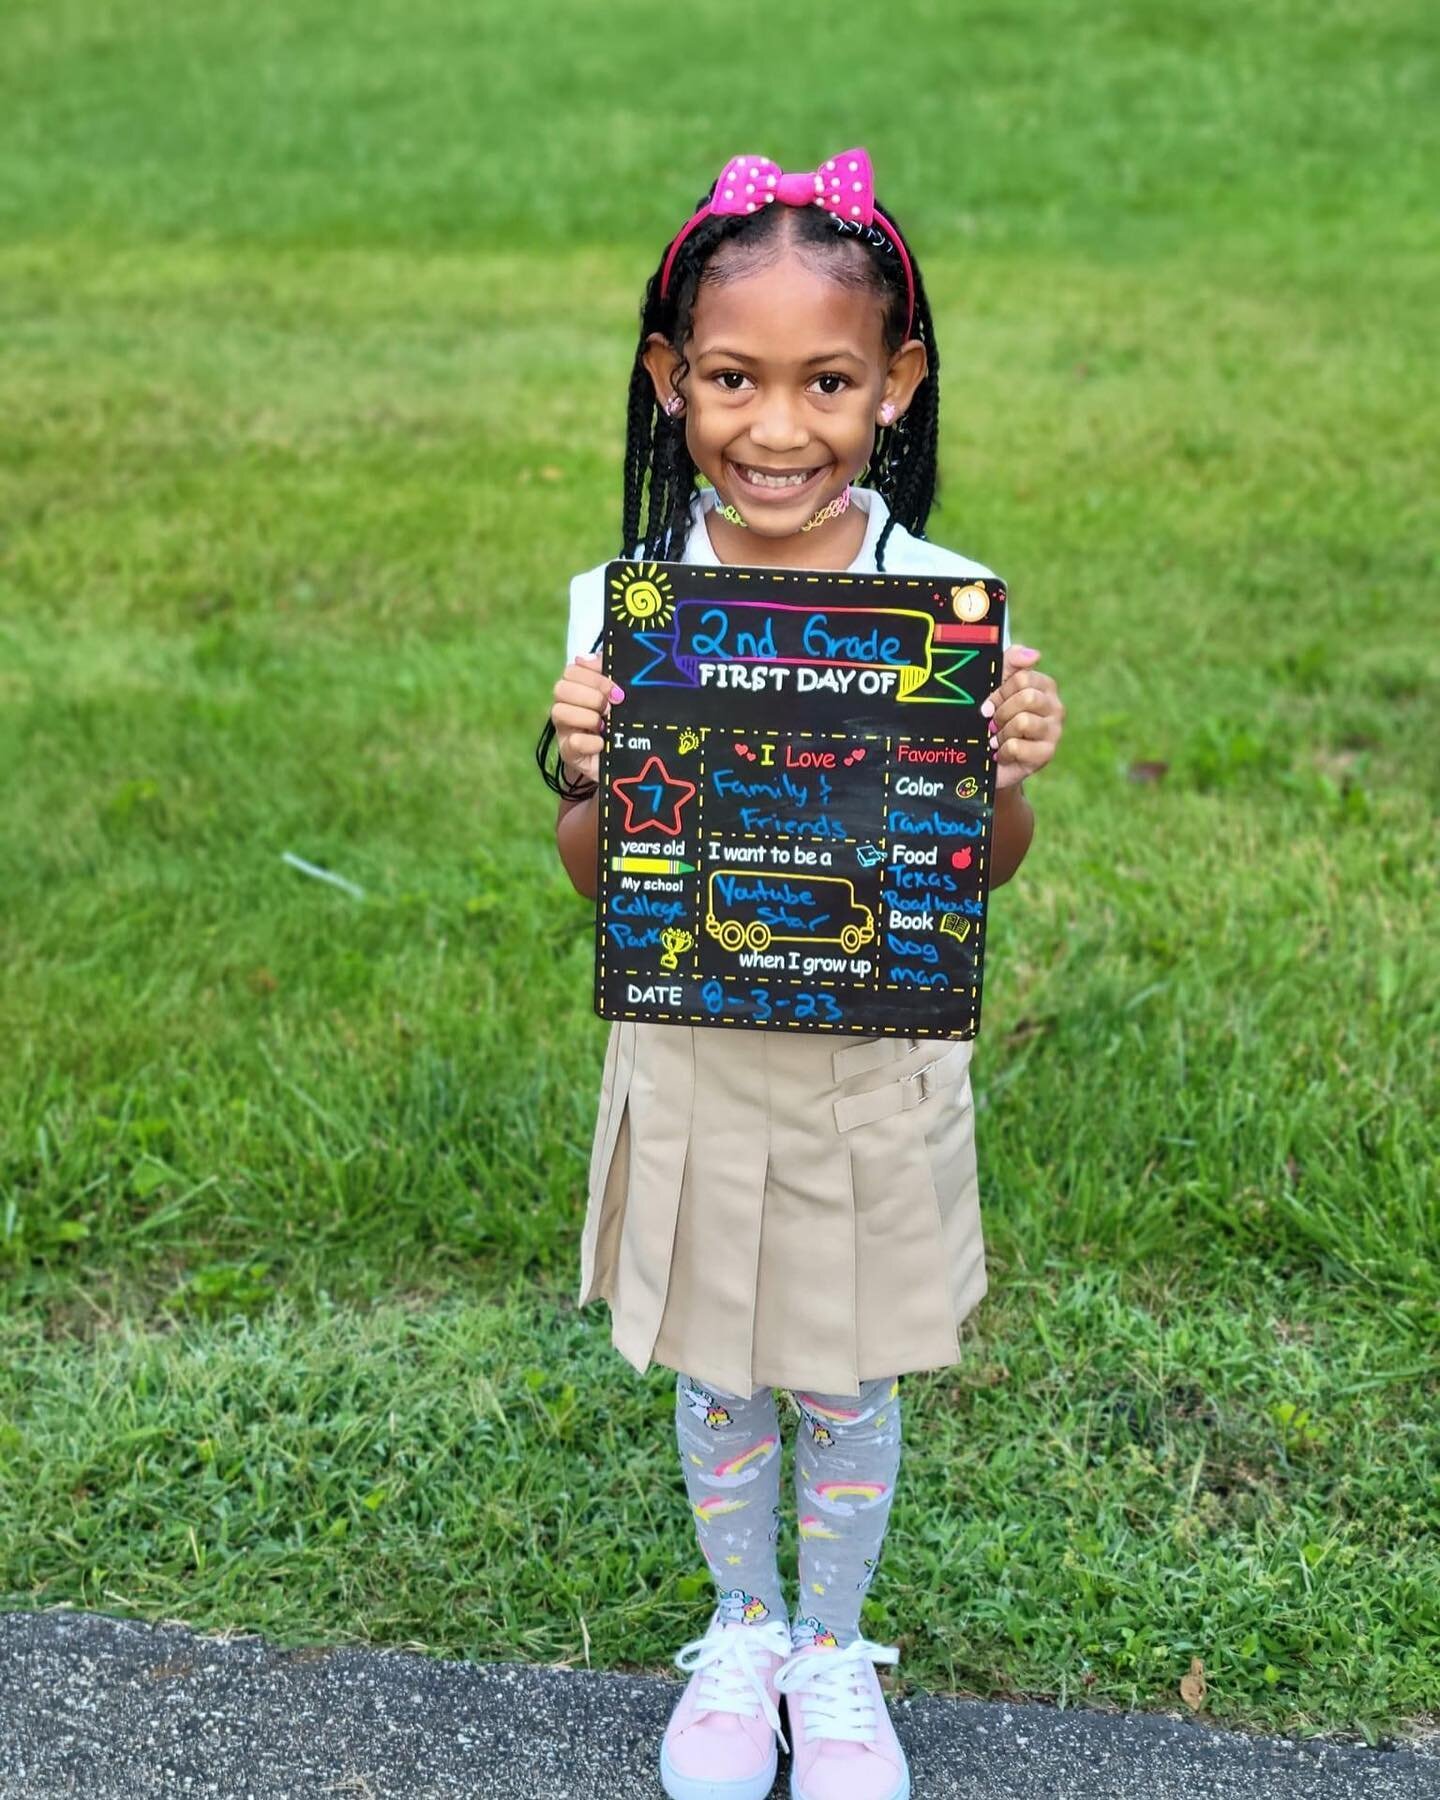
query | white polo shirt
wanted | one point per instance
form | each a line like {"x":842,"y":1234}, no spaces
{"x":904,"y":555}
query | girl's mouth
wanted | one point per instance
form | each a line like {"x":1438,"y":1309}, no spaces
{"x":783,"y":485}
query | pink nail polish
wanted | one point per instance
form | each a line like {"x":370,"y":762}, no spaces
{"x":617,"y":693}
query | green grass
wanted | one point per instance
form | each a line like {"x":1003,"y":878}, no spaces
{"x":315,"y":327}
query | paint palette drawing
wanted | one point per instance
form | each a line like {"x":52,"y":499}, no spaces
{"x":796,"y":797}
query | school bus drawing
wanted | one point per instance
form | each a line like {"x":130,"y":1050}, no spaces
{"x":753,"y":908}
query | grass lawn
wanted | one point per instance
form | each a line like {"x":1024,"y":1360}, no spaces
{"x":314,"y":329}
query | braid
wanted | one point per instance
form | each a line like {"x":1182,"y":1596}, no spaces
{"x":659,"y":474}
{"x":638,"y":429}
{"x":907,"y":453}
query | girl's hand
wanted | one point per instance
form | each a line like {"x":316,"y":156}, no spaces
{"x":582,"y":704}
{"x":1025,"y":716}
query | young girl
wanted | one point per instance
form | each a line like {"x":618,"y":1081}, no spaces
{"x":793,"y":1211}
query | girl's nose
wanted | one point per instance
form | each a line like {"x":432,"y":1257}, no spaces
{"x":779,"y":426}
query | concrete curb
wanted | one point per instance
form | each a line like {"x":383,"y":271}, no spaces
{"x":93,"y":1708}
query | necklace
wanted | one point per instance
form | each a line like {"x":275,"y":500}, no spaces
{"x":833,"y":511}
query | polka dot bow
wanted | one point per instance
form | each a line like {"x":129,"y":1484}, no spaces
{"x":845,"y":186}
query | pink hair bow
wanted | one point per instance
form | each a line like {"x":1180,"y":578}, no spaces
{"x":843,"y":185}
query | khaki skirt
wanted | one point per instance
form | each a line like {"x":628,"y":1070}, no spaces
{"x":783,"y":1210}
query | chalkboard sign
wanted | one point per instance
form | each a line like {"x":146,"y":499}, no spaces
{"x":796,"y":799}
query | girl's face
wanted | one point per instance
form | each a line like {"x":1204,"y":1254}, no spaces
{"x":788,"y":373}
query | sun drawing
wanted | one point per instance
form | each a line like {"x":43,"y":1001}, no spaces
{"x":642,"y":596}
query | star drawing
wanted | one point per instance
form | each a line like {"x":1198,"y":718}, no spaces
{"x":653,"y":799}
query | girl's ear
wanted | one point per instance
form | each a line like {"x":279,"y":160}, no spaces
{"x":908,"y":367}
{"x":662,"y":360}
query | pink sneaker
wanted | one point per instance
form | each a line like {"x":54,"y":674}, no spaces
{"x":720,"y":1742}
{"x":843,"y":1743}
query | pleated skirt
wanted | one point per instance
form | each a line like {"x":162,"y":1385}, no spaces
{"x":790,"y":1210}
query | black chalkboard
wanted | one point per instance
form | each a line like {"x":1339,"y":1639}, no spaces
{"x":796,"y":798}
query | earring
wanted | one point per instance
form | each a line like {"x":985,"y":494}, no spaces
{"x":673,"y":406}
{"x":887,"y":413}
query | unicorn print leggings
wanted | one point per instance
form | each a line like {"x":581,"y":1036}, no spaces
{"x":847,"y":1453}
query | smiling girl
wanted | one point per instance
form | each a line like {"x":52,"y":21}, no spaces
{"x":749,"y":1227}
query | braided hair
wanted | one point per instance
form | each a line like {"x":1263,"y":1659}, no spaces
{"x":659,"y":475}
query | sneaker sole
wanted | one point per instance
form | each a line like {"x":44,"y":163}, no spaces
{"x":900,"y":1793}
{"x":691,"y":1787}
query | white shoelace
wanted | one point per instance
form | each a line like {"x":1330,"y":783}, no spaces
{"x":838,"y":1696}
{"x":730,"y":1676}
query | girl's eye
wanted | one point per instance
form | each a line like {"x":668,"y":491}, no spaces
{"x":732,"y":381}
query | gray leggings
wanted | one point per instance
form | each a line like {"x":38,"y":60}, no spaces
{"x":847,"y":1453}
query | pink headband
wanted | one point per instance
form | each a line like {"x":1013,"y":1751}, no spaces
{"x":844,"y":186}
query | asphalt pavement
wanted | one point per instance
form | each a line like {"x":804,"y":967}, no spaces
{"x":94,"y":1708}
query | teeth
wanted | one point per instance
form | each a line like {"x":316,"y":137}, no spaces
{"x":776,"y":481}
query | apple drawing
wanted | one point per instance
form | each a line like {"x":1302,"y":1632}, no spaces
{"x":960,"y":859}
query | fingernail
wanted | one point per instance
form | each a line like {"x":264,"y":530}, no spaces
{"x":986,"y":709}
{"x":617,"y":693}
